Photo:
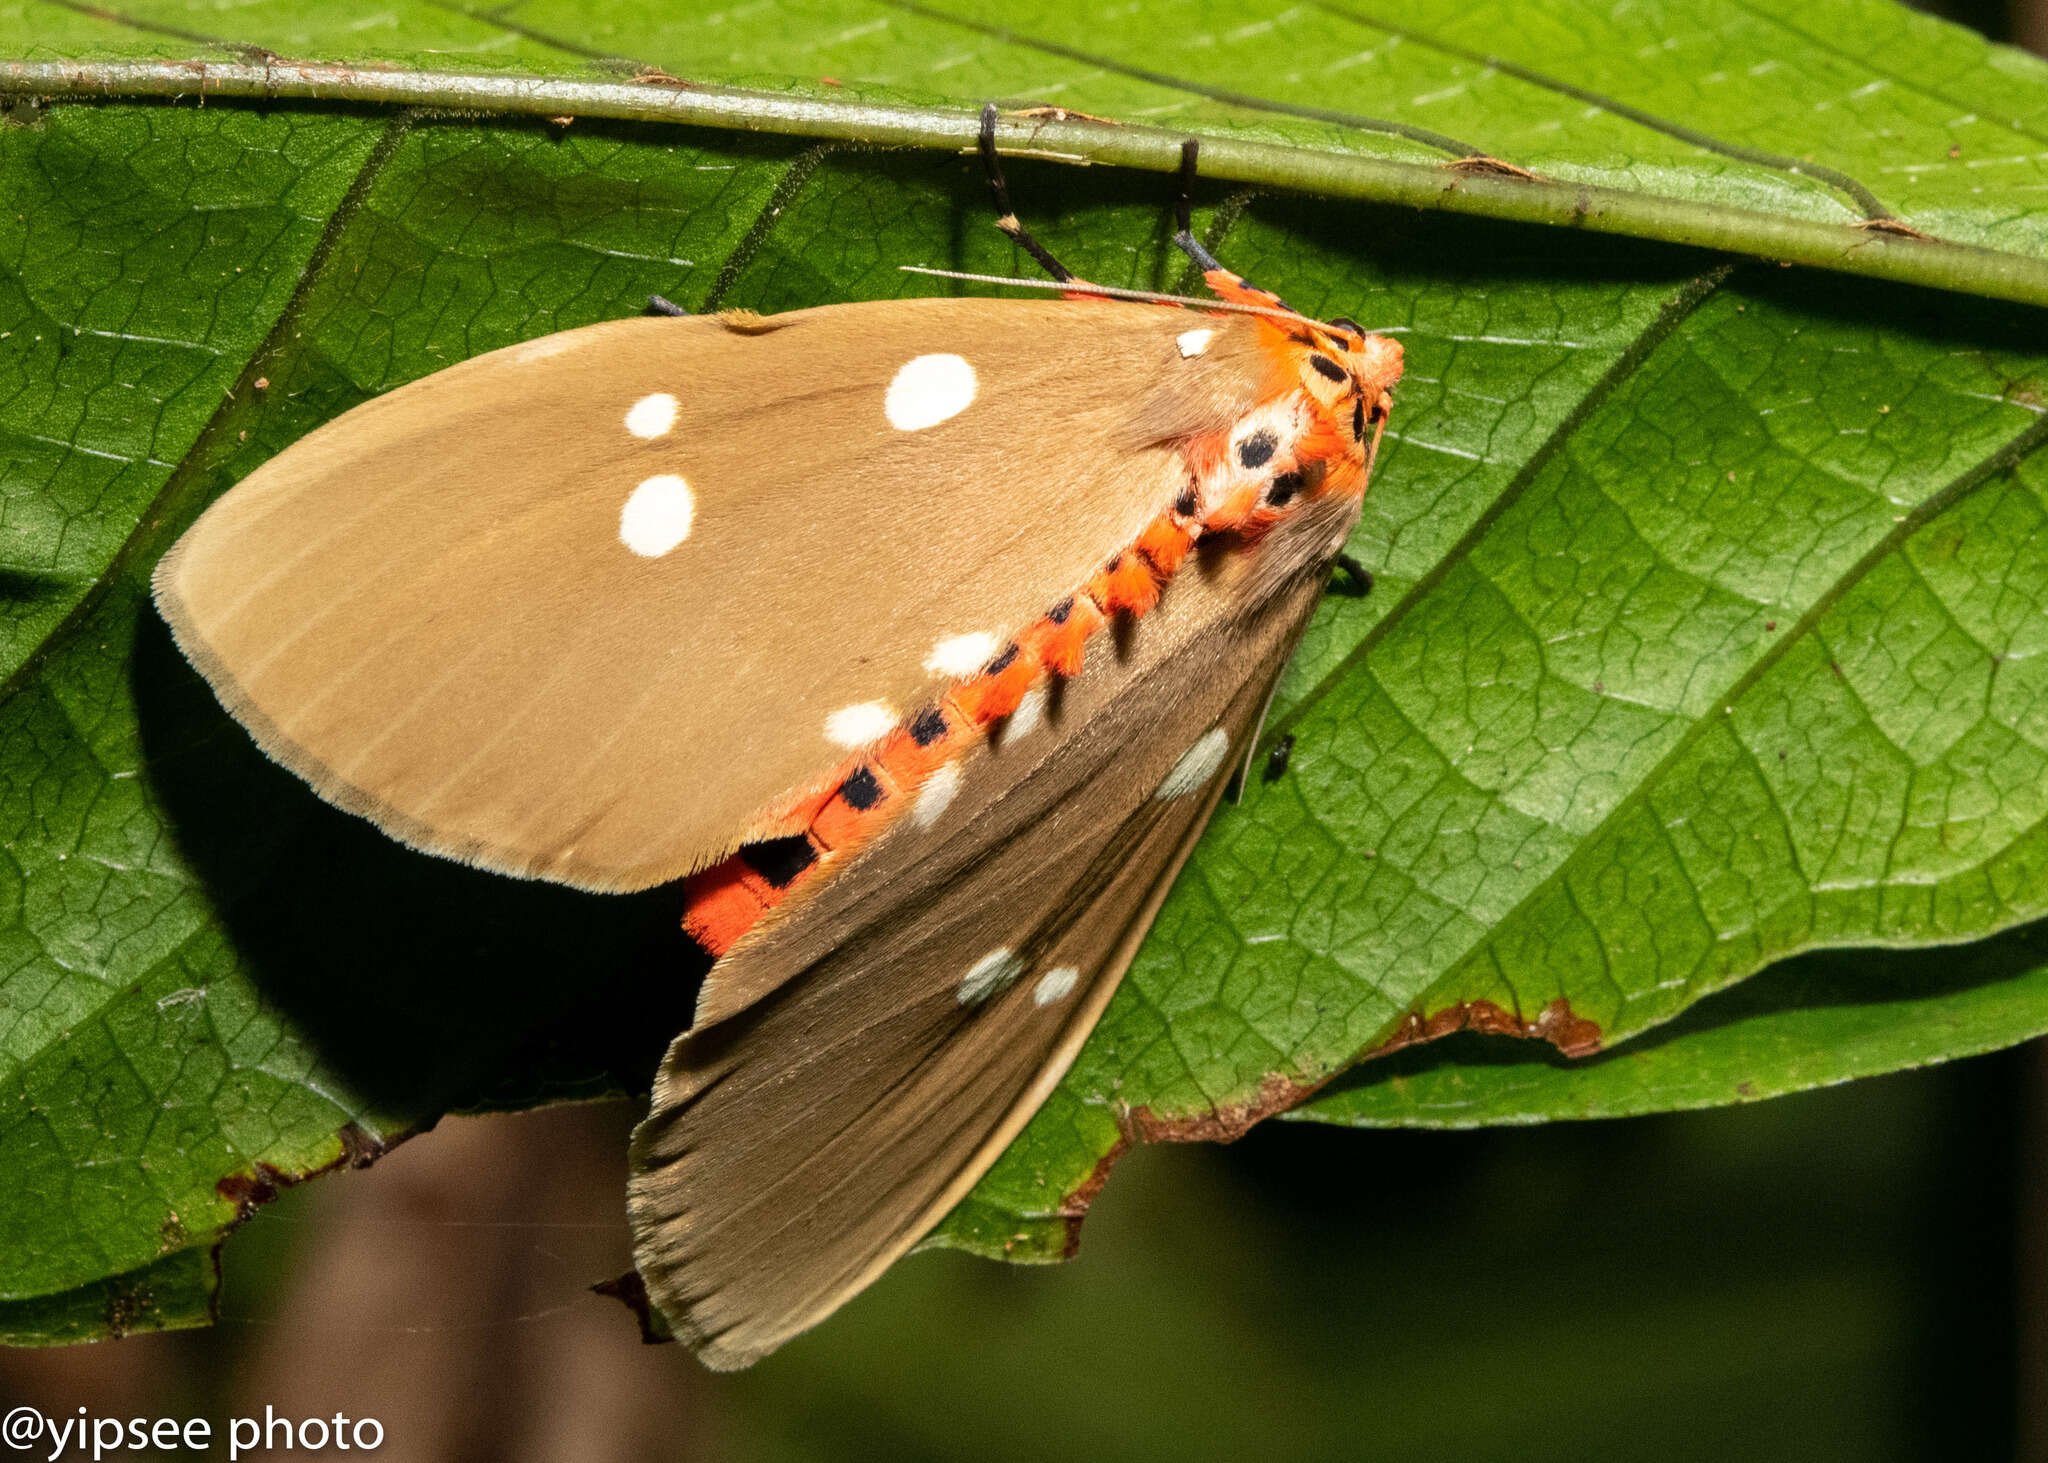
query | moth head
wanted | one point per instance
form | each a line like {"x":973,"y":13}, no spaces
{"x":1340,"y":363}
{"x":1349,"y":375}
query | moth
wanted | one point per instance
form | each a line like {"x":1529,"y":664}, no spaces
{"x":911,"y":643}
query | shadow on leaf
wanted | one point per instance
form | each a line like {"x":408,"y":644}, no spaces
{"x":427,"y":985}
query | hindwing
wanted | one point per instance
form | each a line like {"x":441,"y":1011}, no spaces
{"x":897,"y":1027}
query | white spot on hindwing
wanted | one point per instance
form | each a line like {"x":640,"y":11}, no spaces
{"x":1193,"y":342}
{"x":936,"y":795}
{"x":1027,"y":718}
{"x":929,"y":390}
{"x":860,"y":724}
{"x":962,"y":655}
{"x":657,"y":516}
{"x":1055,"y":985}
{"x":1196,"y":765}
{"x":989,"y":975}
{"x":652,"y":416}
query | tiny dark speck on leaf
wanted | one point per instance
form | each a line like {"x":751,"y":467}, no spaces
{"x":1770,"y":624}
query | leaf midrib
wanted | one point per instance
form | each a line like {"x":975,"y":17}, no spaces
{"x":1860,"y":193}
{"x":1847,"y":248}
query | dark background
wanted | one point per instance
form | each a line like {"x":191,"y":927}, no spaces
{"x":1859,"y":1273}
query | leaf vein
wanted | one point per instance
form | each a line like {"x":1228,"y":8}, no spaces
{"x":1842,"y":182}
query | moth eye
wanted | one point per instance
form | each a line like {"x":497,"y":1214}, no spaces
{"x":961,"y":655}
{"x":1193,"y":342}
{"x":1196,"y":765}
{"x":1055,"y":986}
{"x":992,"y":973}
{"x":652,"y":416}
{"x":1327,"y":368}
{"x":860,"y":724}
{"x":936,"y":795}
{"x":928,"y":390}
{"x":1345,"y":322}
{"x":1257,"y":449}
{"x":657,"y":516}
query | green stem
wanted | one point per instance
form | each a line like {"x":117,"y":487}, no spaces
{"x":1849,"y":248}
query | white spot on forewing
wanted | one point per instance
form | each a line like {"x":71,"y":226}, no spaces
{"x":1027,"y":718}
{"x":1193,"y":342}
{"x":989,"y":975}
{"x":860,"y":724}
{"x":651,"y":416}
{"x":1055,"y":985}
{"x":657,"y":516}
{"x":961,"y":655}
{"x":1196,"y":765}
{"x":929,"y":390}
{"x":936,"y":795}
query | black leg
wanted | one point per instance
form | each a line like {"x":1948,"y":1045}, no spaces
{"x":1276,"y":760}
{"x":656,"y":305}
{"x":1361,"y":577}
{"x":1183,"y":211}
{"x":1006,"y":218}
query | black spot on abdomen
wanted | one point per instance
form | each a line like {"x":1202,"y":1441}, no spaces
{"x":861,"y":790}
{"x":780,"y":860}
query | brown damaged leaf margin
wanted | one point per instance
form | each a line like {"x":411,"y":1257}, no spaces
{"x":262,"y":1182}
{"x":1572,"y":1034}
{"x":131,"y":1303}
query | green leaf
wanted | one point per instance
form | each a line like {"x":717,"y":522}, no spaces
{"x":1711,"y":594}
{"x":1809,"y":1022}
{"x":176,"y":1293}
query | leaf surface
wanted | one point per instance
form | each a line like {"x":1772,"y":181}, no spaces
{"x":1708,"y":628}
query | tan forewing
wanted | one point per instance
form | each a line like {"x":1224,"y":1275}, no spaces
{"x":797,"y":1148}
{"x":426,"y":607}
